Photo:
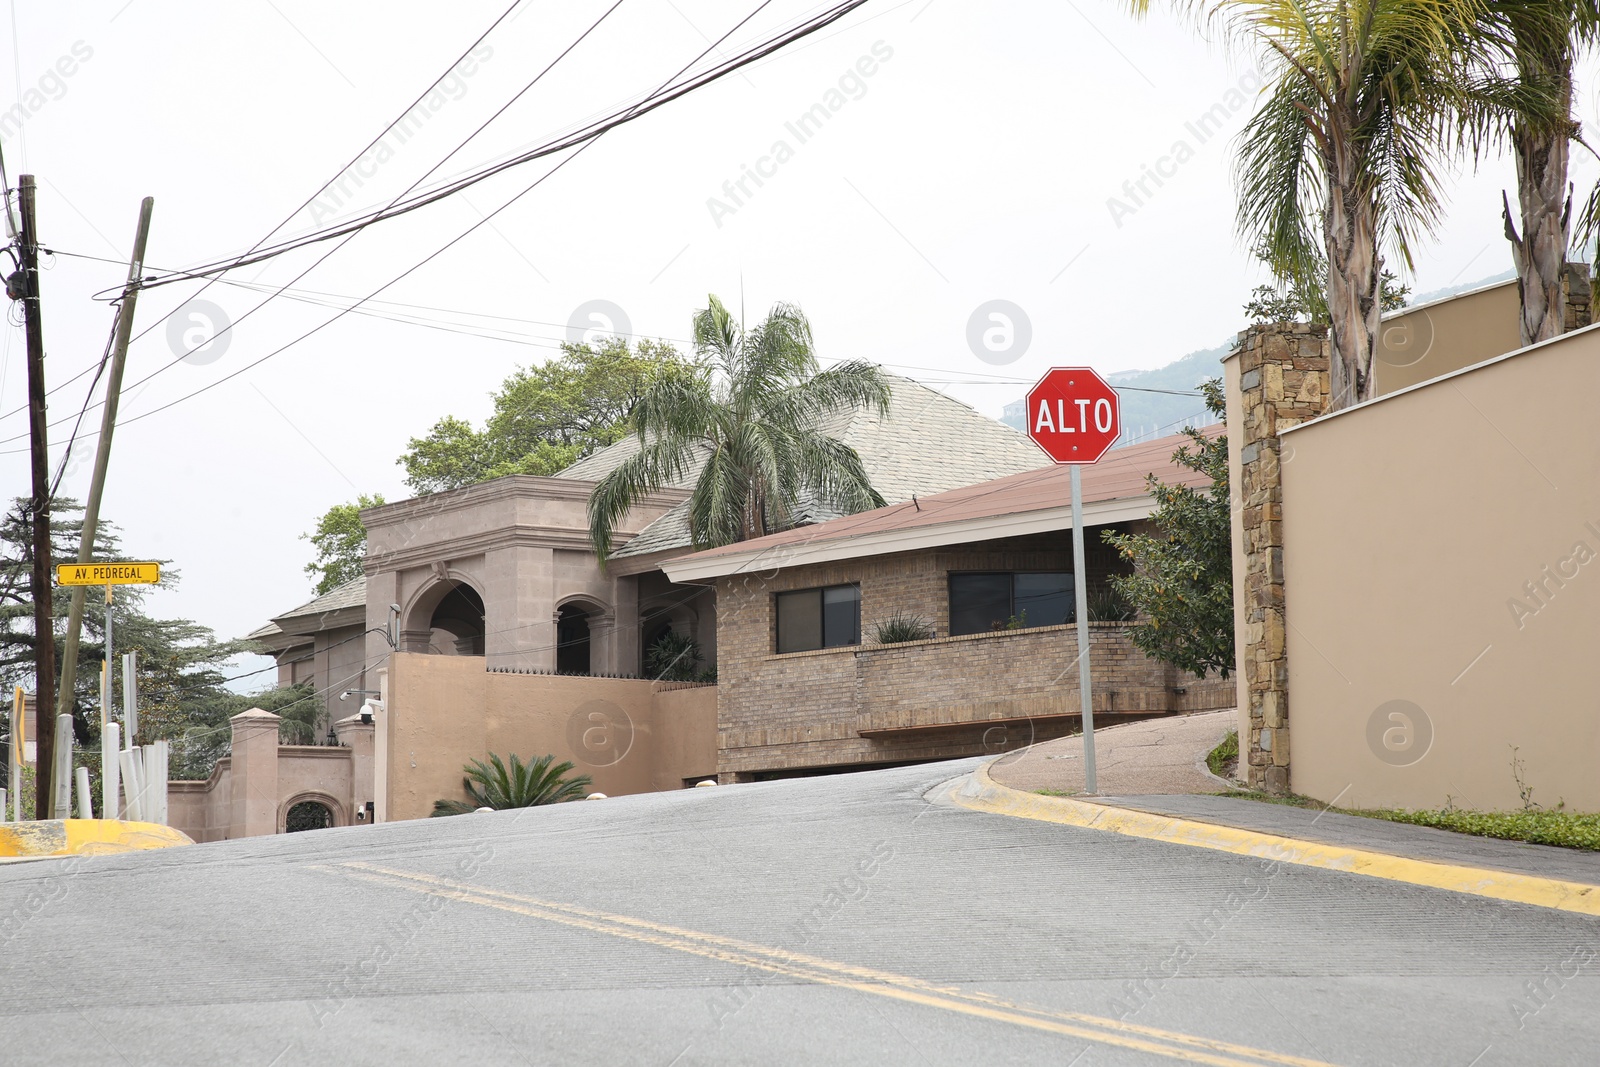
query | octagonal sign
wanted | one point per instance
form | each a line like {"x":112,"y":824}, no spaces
{"x":1073,"y":415}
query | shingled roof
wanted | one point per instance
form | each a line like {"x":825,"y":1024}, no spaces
{"x":928,"y":443}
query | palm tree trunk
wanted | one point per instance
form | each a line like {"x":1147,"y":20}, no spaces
{"x":1540,"y":253}
{"x":1350,"y":232}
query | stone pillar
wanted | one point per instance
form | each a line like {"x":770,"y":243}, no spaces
{"x":625,"y":633}
{"x":1280,"y":380}
{"x":1579,"y":295}
{"x":357,"y":736}
{"x":518,"y":600}
{"x":255,"y":774}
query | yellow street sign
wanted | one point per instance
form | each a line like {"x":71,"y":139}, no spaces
{"x":108,"y":573}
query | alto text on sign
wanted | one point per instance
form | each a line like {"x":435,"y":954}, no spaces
{"x":1073,"y":415}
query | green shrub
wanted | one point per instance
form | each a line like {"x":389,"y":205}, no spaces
{"x":901,"y":627}
{"x":494,"y":785}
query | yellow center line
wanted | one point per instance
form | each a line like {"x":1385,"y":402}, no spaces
{"x":1100,"y":1029}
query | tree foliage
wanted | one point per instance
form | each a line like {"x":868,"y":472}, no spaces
{"x":522,"y":785}
{"x":1367,"y":103}
{"x":1293,"y":300}
{"x":750,"y":414}
{"x":341,"y":543}
{"x":182,"y":665}
{"x":1182,"y":582}
{"x":546,"y":417}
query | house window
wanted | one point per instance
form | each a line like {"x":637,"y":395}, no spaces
{"x":819,"y":618}
{"x":1009,"y":600}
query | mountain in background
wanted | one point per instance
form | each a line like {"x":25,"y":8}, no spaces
{"x":1148,"y":415}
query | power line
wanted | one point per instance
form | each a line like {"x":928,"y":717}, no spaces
{"x":664,"y":94}
{"x":323,"y":258}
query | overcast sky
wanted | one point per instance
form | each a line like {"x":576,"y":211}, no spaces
{"x":970,"y":154}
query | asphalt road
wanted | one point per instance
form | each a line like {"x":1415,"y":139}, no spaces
{"x":834,"y":920}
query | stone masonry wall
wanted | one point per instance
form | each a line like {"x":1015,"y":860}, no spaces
{"x":1283,"y":381}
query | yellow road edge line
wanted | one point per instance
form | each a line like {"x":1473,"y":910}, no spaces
{"x":1553,"y":893}
{"x":829,"y":972}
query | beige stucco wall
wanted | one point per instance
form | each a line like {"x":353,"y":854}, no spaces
{"x":1414,"y":527}
{"x":1436,"y":338}
{"x":522,"y":543}
{"x":629,"y":735}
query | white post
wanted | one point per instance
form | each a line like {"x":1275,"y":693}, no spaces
{"x":130,"y":693}
{"x":1080,"y":590}
{"x":147,"y":775}
{"x":110,"y":742}
{"x":61,"y":806}
{"x":130,"y":782}
{"x":19,"y":726}
{"x":3,"y":804}
{"x":159,"y":782}
{"x":85,"y":805}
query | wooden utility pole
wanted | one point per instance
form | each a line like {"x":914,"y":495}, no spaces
{"x":102,"y":459}
{"x":42,"y":583}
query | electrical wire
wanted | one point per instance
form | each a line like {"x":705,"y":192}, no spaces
{"x":308,"y":201}
{"x":661,"y":96}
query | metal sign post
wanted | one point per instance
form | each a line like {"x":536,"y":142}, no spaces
{"x":1080,"y":595}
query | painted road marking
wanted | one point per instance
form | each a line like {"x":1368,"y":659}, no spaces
{"x":1100,"y":1029}
{"x":980,"y":792}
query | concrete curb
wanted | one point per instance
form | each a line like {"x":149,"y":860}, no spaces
{"x":84,"y":837}
{"x":980,"y":792}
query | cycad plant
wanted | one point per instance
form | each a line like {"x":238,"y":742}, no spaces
{"x":522,"y":785}
{"x":1366,"y":103}
{"x":753,"y":411}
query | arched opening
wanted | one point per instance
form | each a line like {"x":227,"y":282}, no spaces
{"x":307,"y":815}
{"x":572,"y":638}
{"x":457,"y":623}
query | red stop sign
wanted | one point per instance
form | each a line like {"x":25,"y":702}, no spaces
{"x":1073,"y":415}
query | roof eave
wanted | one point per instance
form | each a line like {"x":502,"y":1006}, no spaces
{"x":773,"y":557}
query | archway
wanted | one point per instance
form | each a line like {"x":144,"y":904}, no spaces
{"x":307,"y":815}
{"x":446,"y":620}
{"x":573,"y":644}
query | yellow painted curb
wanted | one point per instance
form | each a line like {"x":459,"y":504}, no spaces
{"x":983,"y":793}
{"x":84,"y":837}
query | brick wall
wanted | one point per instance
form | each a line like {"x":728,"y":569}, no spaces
{"x":977,"y":692}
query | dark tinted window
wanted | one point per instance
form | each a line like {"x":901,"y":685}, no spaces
{"x":819,"y":618}
{"x":979,"y":602}
{"x":983,"y":602}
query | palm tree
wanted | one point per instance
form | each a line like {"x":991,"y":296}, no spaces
{"x":1542,"y":37}
{"x":752,"y":411}
{"x":522,"y":785}
{"x":1352,"y":137}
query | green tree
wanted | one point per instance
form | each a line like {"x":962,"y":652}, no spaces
{"x":494,"y":785}
{"x":545,"y":418}
{"x":182,"y":671}
{"x":750,"y":414}
{"x":1182,"y":581}
{"x":341,"y":543}
{"x":1365,"y":106}
{"x":1295,"y":301}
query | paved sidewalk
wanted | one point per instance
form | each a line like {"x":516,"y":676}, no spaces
{"x":1159,"y":756}
{"x":1157,"y":767}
